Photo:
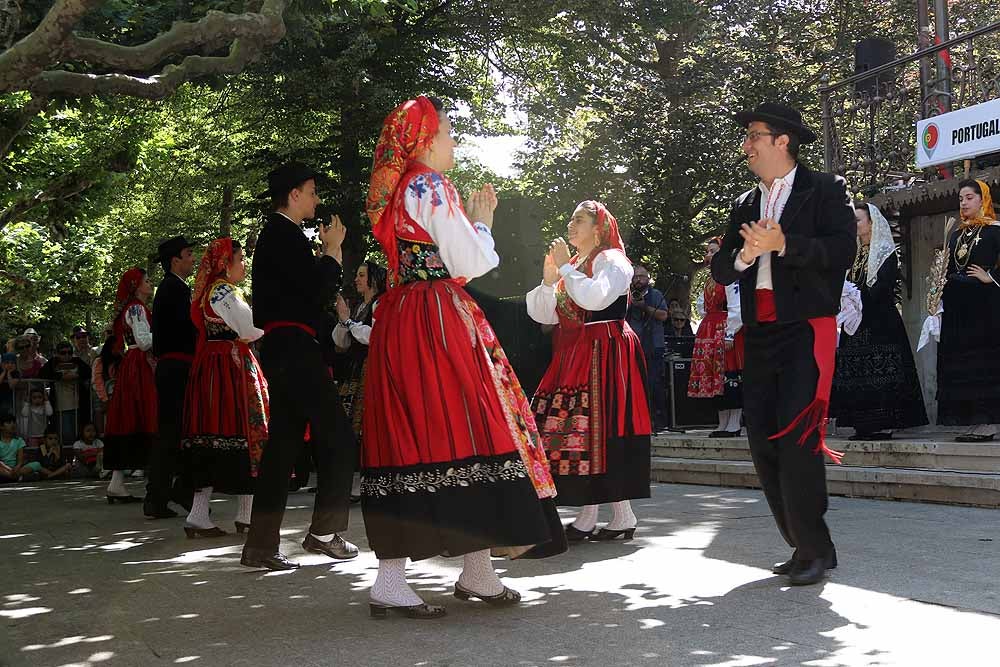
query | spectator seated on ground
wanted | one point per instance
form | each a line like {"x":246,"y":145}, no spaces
{"x":12,"y":465}
{"x":88,"y":453}
{"x":50,"y":456}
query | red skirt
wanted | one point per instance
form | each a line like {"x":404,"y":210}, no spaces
{"x":225,"y":418}
{"x":131,"y":422}
{"x":592,"y":412}
{"x":451,"y":461}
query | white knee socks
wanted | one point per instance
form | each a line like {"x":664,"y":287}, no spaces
{"x":623,"y":517}
{"x":116,"y":487}
{"x":734,"y":420}
{"x":198,"y":517}
{"x":390,"y":585}
{"x":723,"y":420}
{"x":243,"y":508}
{"x":478,"y":574}
{"x":586,"y":519}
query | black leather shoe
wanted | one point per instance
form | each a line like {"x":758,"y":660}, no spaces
{"x":807,"y":573}
{"x":265,"y":560}
{"x":337,"y":548}
{"x":420,"y":611}
{"x":784,"y":568}
{"x":153,"y":512}
{"x":789,"y":565}
{"x":723,"y":434}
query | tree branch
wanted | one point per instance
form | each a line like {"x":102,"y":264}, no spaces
{"x":26,"y":65}
{"x":64,"y":188}
{"x":23,"y":119}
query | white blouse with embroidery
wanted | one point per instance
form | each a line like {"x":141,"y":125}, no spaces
{"x":360,"y":332}
{"x":136,"y":320}
{"x":235,"y":312}
{"x":466,"y":250}
{"x":612,"y":278}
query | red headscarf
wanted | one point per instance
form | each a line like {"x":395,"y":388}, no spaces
{"x":609,"y":239}
{"x":125,"y":297}
{"x":607,"y":229}
{"x":214,"y":264}
{"x":406,"y":135}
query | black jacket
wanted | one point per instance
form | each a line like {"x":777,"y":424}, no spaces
{"x":290,"y":284}
{"x":172,"y":328}
{"x":820,"y":244}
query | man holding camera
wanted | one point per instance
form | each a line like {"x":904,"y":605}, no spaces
{"x":646,"y":315}
{"x":290,"y":287}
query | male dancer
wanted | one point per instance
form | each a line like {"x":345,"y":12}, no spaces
{"x":290,"y":287}
{"x":790,"y":243}
{"x":174,"y":338}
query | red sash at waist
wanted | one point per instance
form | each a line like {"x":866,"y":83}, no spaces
{"x":766,"y":310}
{"x":271,"y":326}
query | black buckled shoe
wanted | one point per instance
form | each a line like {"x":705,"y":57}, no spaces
{"x":606,"y":535}
{"x":337,"y":548}
{"x":262,"y":559}
{"x":194,"y":532}
{"x":577,"y":535}
{"x":507,"y":596}
{"x":420,"y":611}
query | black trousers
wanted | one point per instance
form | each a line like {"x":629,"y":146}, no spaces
{"x":780,"y":381}
{"x":165,"y":483}
{"x":301,"y":392}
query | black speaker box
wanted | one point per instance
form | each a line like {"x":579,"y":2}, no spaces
{"x":687,"y":412}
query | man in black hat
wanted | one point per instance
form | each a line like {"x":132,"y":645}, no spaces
{"x":789,"y":243}
{"x":174,"y":338}
{"x":290,"y":288}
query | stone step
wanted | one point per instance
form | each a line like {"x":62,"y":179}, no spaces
{"x":979,"y":489}
{"x":922,"y":454}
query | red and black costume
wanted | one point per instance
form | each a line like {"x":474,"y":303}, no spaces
{"x":132,"y":420}
{"x":226,"y":408}
{"x":591,"y":405}
{"x":451,"y":461}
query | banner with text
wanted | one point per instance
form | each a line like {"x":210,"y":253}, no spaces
{"x":959,"y":135}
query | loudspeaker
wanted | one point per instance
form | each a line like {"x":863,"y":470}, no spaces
{"x":517,"y":237}
{"x":869,"y":54}
{"x":687,"y":412}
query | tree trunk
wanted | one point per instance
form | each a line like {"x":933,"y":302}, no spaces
{"x":226,"y":217}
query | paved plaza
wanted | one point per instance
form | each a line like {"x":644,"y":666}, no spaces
{"x":89,"y":584}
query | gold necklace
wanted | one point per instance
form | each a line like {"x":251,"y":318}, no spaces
{"x":964,"y":245}
{"x":860,"y":268}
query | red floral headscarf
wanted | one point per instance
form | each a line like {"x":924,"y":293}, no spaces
{"x":406,"y":135}
{"x":610,"y":239}
{"x":214,"y":264}
{"x":125,"y":297}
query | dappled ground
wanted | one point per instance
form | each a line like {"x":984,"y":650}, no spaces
{"x":89,"y":584}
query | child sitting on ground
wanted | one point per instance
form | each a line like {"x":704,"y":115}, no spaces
{"x":89,"y":452}
{"x":12,"y":466}
{"x":51,"y":458}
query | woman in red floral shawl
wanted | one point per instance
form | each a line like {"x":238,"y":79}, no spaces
{"x":451,"y":462}
{"x":591,"y":404}
{"x":131,"y":423}
{"x":226,"y":406}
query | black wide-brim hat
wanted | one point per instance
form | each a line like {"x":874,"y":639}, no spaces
{"x":172,"y":247}
{"x":779,"y":116}
{"x":286,"y":178}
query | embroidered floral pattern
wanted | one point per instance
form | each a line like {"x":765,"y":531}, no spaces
{"x":430,"y":481}
{"x":420,"y":261}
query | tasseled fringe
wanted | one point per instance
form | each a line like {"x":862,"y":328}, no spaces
{"x":815,"y":419}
